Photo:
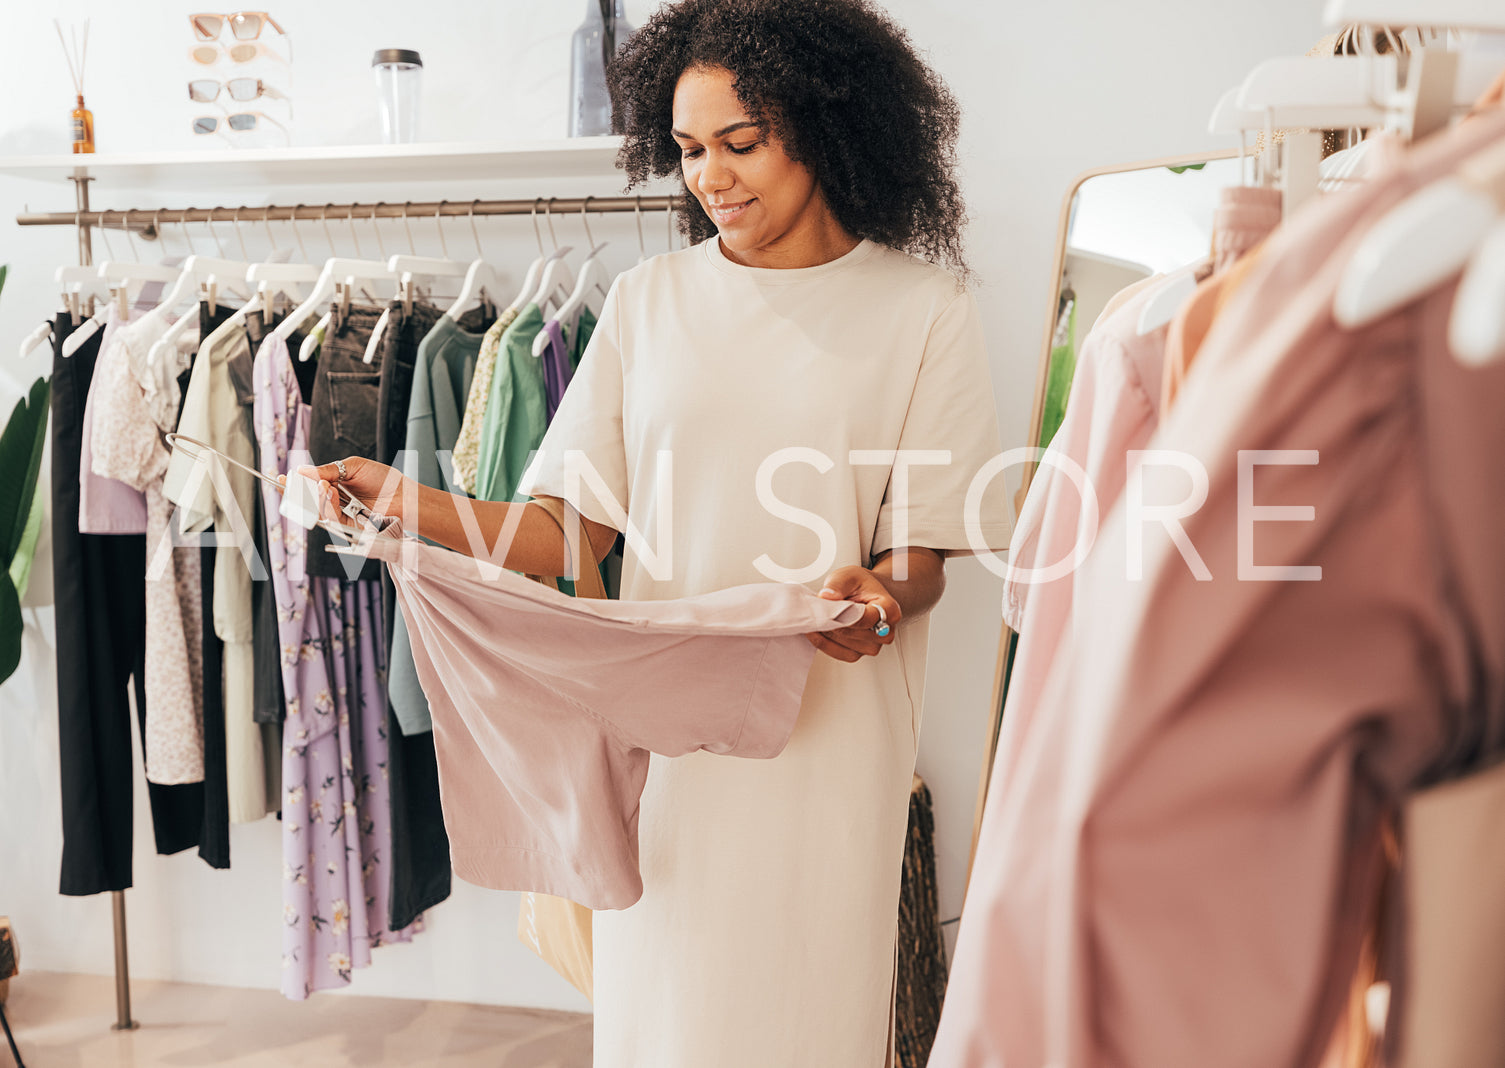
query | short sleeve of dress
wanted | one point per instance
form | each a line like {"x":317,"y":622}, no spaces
{"x":951,"y":411}
{"x":583,"y":456}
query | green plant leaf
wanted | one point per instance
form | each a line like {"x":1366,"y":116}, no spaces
{"x":20,"y":567}
{"x":4,"y":270}
{"x":11,"y":624}
{"x":21,"y":446}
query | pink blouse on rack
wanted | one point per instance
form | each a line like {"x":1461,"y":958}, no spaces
{"x":1177,"y":872}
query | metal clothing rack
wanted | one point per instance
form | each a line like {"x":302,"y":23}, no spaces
{"x":145,"y":223}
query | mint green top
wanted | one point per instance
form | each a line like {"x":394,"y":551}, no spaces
{"x":517,"y":408}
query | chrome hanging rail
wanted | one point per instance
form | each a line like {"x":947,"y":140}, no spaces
{"x":144,"y":221}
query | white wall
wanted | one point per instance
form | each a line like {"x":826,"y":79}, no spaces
{"x":1048,"y":90}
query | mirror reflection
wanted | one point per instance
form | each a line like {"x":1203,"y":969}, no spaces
{"x":1122,"y":227}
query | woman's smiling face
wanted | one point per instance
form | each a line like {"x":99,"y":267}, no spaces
{"x":767,"y":208}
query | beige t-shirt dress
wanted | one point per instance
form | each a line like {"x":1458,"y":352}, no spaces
{"x":740,"y":425}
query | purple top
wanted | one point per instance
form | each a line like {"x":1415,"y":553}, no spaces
{"x":556,"y":366}
{"x":105,"y":505}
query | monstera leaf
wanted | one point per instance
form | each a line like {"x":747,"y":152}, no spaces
{"x":21,"y":447}
{"x":20,"y":513}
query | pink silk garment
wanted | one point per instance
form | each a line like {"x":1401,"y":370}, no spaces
{"x":1113,"y":408}
{"x":546,"y":707}
{"x":1177,"y":873}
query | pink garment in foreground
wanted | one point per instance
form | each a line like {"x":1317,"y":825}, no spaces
{"x":546,"y":707}
{"x":1113,"y":409}
{"x":1176,"y":873}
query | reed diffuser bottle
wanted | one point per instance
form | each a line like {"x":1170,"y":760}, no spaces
{"x":83,"y":118}
{"x":83,"y":127}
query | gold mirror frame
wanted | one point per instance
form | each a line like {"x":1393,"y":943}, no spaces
{"x":1008,"y":637}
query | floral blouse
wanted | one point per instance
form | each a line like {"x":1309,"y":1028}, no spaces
{"x":136,"y":402}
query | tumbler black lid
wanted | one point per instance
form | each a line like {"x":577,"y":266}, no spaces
{"x":396,"y":55}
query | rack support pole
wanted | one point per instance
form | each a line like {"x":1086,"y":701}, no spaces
{"x":123,"y":1021}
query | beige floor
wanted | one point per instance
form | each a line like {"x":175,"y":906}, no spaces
{"x":63,"y":1021}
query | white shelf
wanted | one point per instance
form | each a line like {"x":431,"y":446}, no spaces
{"x":580,"y":157}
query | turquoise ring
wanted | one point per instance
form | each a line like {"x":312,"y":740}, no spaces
{"x":883,"y":630}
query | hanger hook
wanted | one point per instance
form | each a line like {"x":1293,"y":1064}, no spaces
{"x":590,"y":242}
{"x":129,"y":238}
{"x":380,"y":244}
{"x":548,"y":217}
{"x":240,"y":236}
{"x":104,"y":234}
{"x":266,"y":222}
{"x":407,"y":225}
{"x":188,"y":233}
{"x":669,"y":220}
{"x":219,"y":247}
{"x":637,"y":215}
{"x":324,"y":221}
{"x":293,"y":222}
{"x":157,"y":226}
{"x":355,"y":237}
{"x":537,"y":235}
{"x":443,"y":245}
{"x":480,"y":253}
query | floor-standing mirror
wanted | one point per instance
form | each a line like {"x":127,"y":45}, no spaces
{"x":1118,"y":225}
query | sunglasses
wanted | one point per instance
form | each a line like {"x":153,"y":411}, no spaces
{"x":209,"y":55}
{"x":245,"y":25}
{"x":240,"y":122}
{"x":207,"y":90}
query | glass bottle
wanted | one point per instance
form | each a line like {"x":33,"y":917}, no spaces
{"x":83,"y":127}
{"x":590,"y":104}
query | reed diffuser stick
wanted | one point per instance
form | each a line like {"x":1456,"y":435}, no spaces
{"x":82,"y":117}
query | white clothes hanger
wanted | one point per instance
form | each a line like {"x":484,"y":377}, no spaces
{"x":594,"y":278}
{"x":99,"y":315}
{"x":555,"y":283}
{"x":1317,"y":93}
{"x":78,"y":284}
{"x":37,"y":337}
{"x":269,"y":279}
{"x":337,"y":281}
{"x":338,"y":274}
{"x":1476,"y":329}
{"x":1471,"y":14}
{"x":200,"y":274}
{"x":1422,"y":242}
{"x":481,"y":279}
{"x":409,"y":268}
{"x":1169,"y":297}
{"x":122,"y":279}
{"x":535,"y":269}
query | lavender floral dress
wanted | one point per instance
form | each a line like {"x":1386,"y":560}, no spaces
{"x":336,"y":832}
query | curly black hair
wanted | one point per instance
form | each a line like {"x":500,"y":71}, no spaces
{"x":837,"y":82}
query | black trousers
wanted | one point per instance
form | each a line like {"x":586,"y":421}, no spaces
{"x":100,"y":605}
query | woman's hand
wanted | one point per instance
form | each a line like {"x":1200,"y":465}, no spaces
{"x":850,"y":644}
{"x":375,"y":485}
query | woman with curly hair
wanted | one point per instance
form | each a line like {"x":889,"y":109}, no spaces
{"x":802,"y":395}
